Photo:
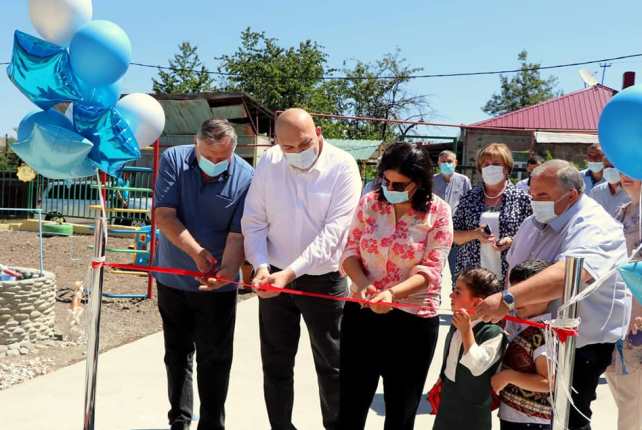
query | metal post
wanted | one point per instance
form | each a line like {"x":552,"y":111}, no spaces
{"x":93,"y":333}
{"x":152,"y":229}
{"x":566,"y":350}
{"x":42,"y":245}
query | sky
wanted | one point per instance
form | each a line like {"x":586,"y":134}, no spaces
{"x":446,"y":36}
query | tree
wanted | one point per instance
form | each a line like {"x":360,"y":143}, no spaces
{"x":277,"y":77}
{"x":526,"y":88}
{"x":187,"y":74}
{"x":8,"y":159}
{"x":282,"y":77}
{"x":379,"y":90}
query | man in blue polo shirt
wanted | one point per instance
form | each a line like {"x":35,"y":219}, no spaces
{"x":200,"y":195}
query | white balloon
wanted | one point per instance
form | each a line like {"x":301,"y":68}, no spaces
{"x":144,"y":115}
{"x":58,"y":20}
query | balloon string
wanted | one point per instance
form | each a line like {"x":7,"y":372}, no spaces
{"x":562,"y":333}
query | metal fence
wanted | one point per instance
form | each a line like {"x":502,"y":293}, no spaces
{"x":128,"y":199}
{"x":15,"y":194}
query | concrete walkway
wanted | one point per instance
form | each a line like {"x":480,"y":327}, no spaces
{"x":131,"y":391}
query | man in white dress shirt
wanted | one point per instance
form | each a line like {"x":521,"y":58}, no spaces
{"x":297,"y":214}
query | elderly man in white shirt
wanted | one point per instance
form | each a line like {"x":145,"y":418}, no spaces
{"x":297,"y":214}
{"x":565,"y":222}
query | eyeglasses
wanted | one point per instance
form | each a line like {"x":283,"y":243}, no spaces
{"x":395,"y":186}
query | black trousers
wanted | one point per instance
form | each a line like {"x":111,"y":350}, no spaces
{"x":590,"y":362}
{"x":202,"y":323}
{"x":507,"y":425}
{"x":397,"y":346}
{"x":279,"y":319}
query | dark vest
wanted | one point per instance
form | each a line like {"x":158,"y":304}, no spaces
{"x":465,"y":404}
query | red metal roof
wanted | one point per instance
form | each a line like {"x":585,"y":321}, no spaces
{"x":579,"y":110}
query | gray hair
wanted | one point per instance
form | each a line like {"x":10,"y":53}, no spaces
{"x":567,"y":175}
{"x":447,"y":153}
{"x":216,"y":130}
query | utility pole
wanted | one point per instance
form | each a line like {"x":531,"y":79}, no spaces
{"x":604,"y":66}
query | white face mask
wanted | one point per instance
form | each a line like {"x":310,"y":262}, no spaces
{"x":544,"y":211}
{"x":493,"y":175}
{"x":612,"y":175}
{"x":301,"y":160}
{"x":595,"y":166}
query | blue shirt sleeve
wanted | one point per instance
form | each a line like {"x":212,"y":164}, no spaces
{"x":235,"y":223}
{"x":167,"y":193}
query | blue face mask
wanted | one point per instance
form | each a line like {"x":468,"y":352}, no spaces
{"x":212,"y":169}
{"x":395,"y":197}
{"x":447,"y":169}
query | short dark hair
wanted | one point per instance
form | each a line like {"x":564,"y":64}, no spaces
{"x":413,"y":161}
{"x":523,"y":271}
{"x":481,"y":282}
{"x":536,"y":159}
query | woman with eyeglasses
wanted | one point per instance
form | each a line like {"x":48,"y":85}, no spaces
{"x":489,"y":215}
{"x":396,"y":250}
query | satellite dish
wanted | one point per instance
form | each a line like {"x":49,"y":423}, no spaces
{"x":588,"y":77}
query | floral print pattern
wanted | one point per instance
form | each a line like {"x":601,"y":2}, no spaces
{"x":392,"y":250}
{"x":514,"y":209}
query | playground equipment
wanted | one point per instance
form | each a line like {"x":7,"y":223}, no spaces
{"x":144,"y":248}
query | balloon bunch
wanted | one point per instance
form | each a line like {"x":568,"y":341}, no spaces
{"x":79,"y":64}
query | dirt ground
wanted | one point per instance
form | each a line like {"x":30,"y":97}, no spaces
{"x":122,"y":320}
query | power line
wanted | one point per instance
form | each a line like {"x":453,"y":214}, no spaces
{"x":423,"y":76}
{"x":388,"y":77}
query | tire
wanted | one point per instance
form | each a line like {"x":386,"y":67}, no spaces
{"x":50,"y":230}
{"x":55,"y":216}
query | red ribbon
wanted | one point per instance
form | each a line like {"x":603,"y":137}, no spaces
{"x":562,"y":333}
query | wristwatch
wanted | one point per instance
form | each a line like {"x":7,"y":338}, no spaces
{"x":508,"y":299}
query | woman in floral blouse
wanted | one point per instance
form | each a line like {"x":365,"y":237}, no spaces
{"x":495,"y":204}
{"x":396,"y":250}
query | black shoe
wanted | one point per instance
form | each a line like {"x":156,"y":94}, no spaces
{"x":179,"y":426}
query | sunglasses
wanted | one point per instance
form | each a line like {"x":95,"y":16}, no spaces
{"x":395,"y":186}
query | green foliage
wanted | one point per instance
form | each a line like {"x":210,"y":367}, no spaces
{"x":188,"y":74}
{"x":364,"y":94}
{"x":526,"y":88}
{"x":280,"y":78}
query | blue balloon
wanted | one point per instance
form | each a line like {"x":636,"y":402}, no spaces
{"x":100,"y":53}
{"x":42,"y":118}
{"x":632,"y":275}
{"x":41,"y":71}
{"x":620,"y":131}
{"x":114,"y":141}
{"x":56,"y":152}
{"x":104,"y":97}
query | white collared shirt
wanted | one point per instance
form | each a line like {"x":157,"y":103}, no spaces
{"x":300,"y":219}
{"x":478,"y":358}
